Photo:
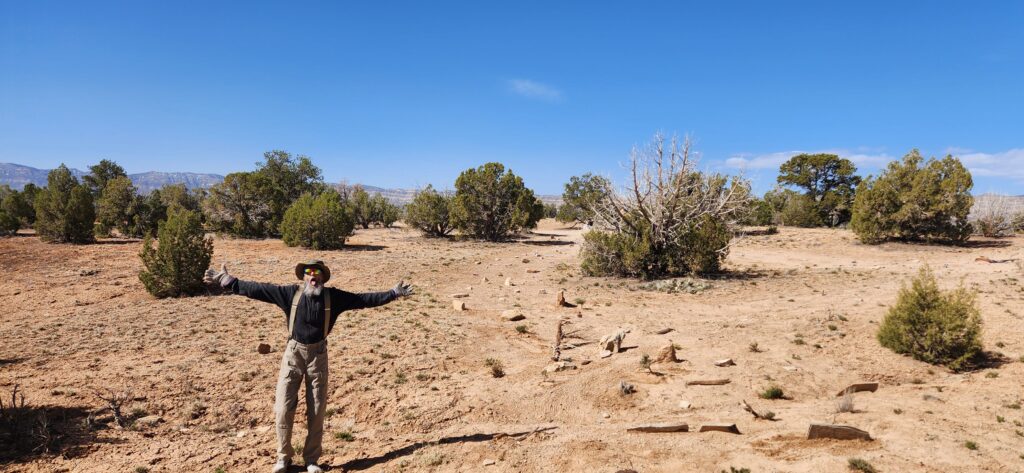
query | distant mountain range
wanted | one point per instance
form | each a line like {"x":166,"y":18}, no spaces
{"x":17,"y":175}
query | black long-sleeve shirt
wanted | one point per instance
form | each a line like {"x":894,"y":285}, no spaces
{"x":309,"y":315}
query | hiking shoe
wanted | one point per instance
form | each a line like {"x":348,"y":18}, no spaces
{"x":313,"y":468}
{"x":281,"y":466}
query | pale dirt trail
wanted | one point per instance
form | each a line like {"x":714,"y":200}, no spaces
{"x":413,"y":371}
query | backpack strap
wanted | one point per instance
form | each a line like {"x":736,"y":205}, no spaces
{"x":327,"y":310}
{"x":295,"y":308}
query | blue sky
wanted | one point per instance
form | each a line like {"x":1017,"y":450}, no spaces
{"x":402,"y":94}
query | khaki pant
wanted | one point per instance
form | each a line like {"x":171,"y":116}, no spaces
{"x":300,"y":362}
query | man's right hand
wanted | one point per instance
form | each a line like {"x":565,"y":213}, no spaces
{"x":221,"y":277}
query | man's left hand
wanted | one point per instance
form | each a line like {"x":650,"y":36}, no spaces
{"x":402,"y":289}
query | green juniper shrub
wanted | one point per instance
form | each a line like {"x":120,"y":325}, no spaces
{"x":915,"y":200}
{"x":64,"y":209}
{"x":430,"y":211}
{"x":175,"y":266}
{"x":492,"y":203}
{"x":320,"y":222}
{"x":942,"y":328}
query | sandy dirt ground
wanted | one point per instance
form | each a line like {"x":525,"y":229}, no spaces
{"x":410,"y":389}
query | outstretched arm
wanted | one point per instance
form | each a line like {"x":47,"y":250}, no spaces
{"x":272,"y":293}
{"x":349,"y":300}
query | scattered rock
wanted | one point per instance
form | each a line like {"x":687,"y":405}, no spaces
{"x":687,"y":285}
{"x":263,"y":348}
{"x":626,"y":388}
{"x":149,"y":421}
{"x":586,"y":362}
{"x":526,"y":260}
{"x":664,"y":330}
{"x":838,"y":432}
{"x":533,"y":271}
{"x":485,"y":280}
{"x":667,"y":354}
{"x":606,"y":415}
{"x":508,"y":282}
{"x":708,"y":382}
{"x":729,"y":428}
{"x":613,"y":341}
{"x":460,"y":295}
{"x":459,"y":305}
{"x":488,"y":462}
{"x":626,"y":470}
{"x":561,"y":300}
{"x":668,"y":427}
{"x":929,"y":397}
{"x":725,"y":362}
{"x":685,"y":405}
{"x":88,"y":272}
{"x":858,"y":387}
{"x":512,"y":316}
{"x":605,"y":354}
{"x":559,"y":366}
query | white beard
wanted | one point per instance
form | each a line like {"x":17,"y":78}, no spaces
{"x":311,"y":290}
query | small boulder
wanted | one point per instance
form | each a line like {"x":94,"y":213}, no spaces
{"x":149,"y":421}
{"x":685,"y":405}
{"x":725,"y":362}
{"x":459,"y":305}
{"x":263,"y":348}
{"x":667,"y":354}
{"x":512,"y":316}
{"x":508,"y":282}
{"x":559,"y":366}
{"x":838,"y":432}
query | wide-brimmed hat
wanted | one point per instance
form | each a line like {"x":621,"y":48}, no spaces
{"x":300,"y":268}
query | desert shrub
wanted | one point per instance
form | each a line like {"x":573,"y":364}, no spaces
{"x":801,"y":211}
{"x":360,"y":206}
{"x":915,"y":200}
{"x":319,"y":222}
{"x":828,"y":182}
{"x":992,"y":215}
{"x":64,"y":209}
{"x":933,"y":326}
{"x":491,"y":203}
{"x":252,"y":204}
{"x":100,"y":175}
{"x":383,"y":212}
{"x":175,"y":266}
{"x":581,"y":196}
{"x":18,"y":205}
{"x":178,"y":195}
{"x":115,"y":202}
{"x":429,"y":211}
{"x":1017,"y":222}
{"x":675,"y":220}
{"x":758,"y":212}
{"x":236,"y":207}
{"x":550,"y":210}
{"x":9,"y":224}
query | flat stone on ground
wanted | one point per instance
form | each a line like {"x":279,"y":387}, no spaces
{"x":838,"y":432}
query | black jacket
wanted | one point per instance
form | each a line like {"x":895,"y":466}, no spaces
{"x":309,"y":317}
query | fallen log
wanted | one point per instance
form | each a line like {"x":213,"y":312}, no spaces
{"x":859,"y":387}
{"x":708,"y":382}
{"x":659,"y":428}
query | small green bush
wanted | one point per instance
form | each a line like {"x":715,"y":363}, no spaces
{"x":8,"y":223}
{"x":772,"y":392}
{"x":322,"y":222}
{"x":176,"y":265}
{"x":801,"y":211}
{"x":64,"y":209}
{"x":857,"y":464}
{"x":430,"y":211}
{"x":915,"y":200}
{"x":383,"y":212}
{"x":492,"y":203}
{"x":697,"y":250}
{"x":942,"y":328}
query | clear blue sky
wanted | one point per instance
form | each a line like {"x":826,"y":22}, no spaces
{"x":402,"y":94}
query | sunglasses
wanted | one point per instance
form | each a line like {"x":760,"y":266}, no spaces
{"x":313,"y":271}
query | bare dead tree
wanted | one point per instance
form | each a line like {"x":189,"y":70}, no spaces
{"x":668,"y":197}
{"x":992,"y":215}
{"x":115,"y":400}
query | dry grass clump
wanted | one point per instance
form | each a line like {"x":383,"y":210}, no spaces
{"x":497,"y":369}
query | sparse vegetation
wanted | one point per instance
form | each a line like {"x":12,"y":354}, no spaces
{"x":430,"y":211}
{"x":497,"y":368}
{"x":492,"y":204}
{"x":971,"y":445}
{"x":673,"y":220}
{"x":772,"y":392}
{"x":320,"y":222}
{"x":915,"y":200}
{"x":936,"y":327}
{"x":176,"y":265}
{"x":64,"y":209}
{"x":857,"y":464}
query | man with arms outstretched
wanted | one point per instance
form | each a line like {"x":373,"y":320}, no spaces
{"x":310,"y":312}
